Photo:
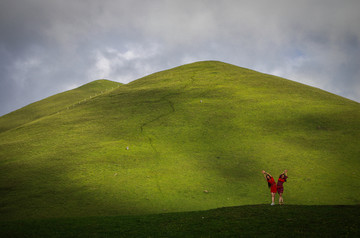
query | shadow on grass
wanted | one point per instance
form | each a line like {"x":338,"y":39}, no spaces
{"x":243,"y":221}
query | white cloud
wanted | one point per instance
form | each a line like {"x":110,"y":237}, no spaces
{"x":123,"y":66}
{"x":102,"y":66}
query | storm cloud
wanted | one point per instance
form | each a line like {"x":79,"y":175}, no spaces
{"x":47,"y":47}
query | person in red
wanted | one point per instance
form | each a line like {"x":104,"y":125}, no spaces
{"x":280,"y":187}
{"x":272,"y":186}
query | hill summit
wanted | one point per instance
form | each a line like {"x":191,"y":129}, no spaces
{"x":193,"y":137}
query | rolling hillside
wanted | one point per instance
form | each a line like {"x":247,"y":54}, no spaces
{"x":55,"y":104}
{"x":194,"y":137}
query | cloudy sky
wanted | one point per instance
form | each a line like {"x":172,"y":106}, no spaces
{"x":49,"y":46}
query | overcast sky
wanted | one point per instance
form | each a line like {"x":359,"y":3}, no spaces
{"x":49,"y":46}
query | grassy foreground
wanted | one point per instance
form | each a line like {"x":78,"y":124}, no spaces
{"x":244,"y":221}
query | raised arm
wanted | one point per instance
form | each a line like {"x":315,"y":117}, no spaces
{"x":285,"y":172}
{"x":265,"y":173}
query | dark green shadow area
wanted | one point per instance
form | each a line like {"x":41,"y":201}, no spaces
{"x":243,"y":221}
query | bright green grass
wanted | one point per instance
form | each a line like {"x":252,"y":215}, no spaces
{"x":203,"y":126}
{"x":56,"y":103}
{"x":244,"y":221}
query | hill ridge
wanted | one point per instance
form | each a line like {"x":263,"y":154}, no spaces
{"x":34,"y":112}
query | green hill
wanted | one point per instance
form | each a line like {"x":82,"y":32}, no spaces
{"x":156,"y":144}
{"x":55,"y":104}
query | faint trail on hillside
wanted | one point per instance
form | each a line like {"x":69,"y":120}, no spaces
{"x":157,"y":153}
{"x":65,"y":108}
{"x":100,"y":93}
{"x":159,"y":117}
{"x":171,"y":105}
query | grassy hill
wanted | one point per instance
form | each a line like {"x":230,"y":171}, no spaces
{"x":156,"y":144}
{"x":55,"y":104}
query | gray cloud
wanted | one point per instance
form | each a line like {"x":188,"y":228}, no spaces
{"x":50,"y":46}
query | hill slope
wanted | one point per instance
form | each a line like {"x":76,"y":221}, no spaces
{"x":156,"y":144}
{"x":54,"y":104}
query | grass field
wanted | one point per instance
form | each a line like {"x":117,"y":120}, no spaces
{"x":156,"y":144}
{"x":244,"y":221}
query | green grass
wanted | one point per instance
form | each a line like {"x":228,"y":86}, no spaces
{"x":55,"y":104}
{"x":244,"y":221}
{"x":203,"y":126}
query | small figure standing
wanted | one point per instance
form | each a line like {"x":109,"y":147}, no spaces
{"x":272,"y":186}
{"x":280,"y":186}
